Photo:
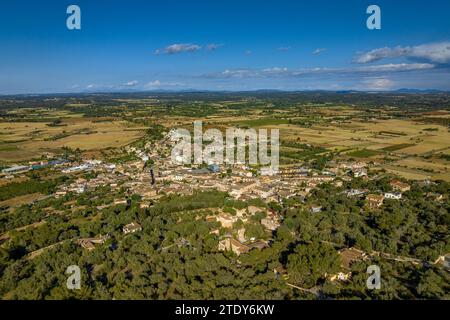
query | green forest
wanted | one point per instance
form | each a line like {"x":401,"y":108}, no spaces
{"x":151,"y":264}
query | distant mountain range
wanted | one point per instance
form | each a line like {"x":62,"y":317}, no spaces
{"x":402,"y":90}
{"x":406,"y":90}
{"x":260,"y":91}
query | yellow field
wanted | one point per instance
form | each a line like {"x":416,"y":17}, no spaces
{"x":399,"y":144}
{"x":25,"y":140}
{"x":438,"y":166}
{"x":405,"y":140}
{"x":407,"y":137}
{"x":371,"y":135}
{"x":410,"y":174}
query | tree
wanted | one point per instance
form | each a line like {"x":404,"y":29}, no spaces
{"x":312,"y":261}
{"x":430,"y":286}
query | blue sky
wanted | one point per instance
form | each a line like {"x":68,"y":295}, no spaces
{"x":223,"y":45}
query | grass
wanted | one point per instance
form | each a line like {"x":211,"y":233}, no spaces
{"x":20,"y":200}
{"x":393,"y":133}
{"x":397,"y":147}
{"x":6,"y":147}
{"x":262,"y":122}
{"x":28,"y":140}
{"x":363,"y":153}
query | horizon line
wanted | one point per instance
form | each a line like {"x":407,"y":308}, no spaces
{"x":165,"y":91}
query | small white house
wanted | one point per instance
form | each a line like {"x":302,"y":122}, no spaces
{"x":315,"y":209}
{"x":393,"y":195}
{"x":360,"y":173}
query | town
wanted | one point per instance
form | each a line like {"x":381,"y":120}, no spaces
{"x":348,"y":207}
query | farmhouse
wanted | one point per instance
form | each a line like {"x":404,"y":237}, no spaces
{"x":226,"y":220}
{"x":89,"y":243}
{"x":86,"y":244}
{"x":374,"y":200}
{"x":400,"y":186}
{"x":131,"y":228}
{"x":230,"y":244}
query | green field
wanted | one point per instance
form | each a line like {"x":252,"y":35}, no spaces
{"x":363,"y":153}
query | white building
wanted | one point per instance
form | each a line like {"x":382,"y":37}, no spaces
{"x":393,"y":195}
{"x":355,"y":192}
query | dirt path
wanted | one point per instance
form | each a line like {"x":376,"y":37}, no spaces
{"x":5,"y":236}
{"x":38,"y":252}
{"x":387,"y":255}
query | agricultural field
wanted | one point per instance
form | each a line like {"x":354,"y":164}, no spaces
{"x":29,"y":140}
{"x":401,"y":146}
{"x":20,"y":200}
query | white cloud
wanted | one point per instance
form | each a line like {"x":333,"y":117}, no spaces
{"x":249,"y":73}
{"x":186,"y":47}
{"x":319,"y":51}
{"x":378,"y":84}
{"x":180,"y":47}
{"x":131,"y":83}
{"x":382,"y":53}
{"x":396,"y":67}
{"x":434,"y":52}
{"x":240,"y":73}
{"x":157,"y":84}
{"x":213,"y":46}
{"x":283,"y":71}
{"x":275,"y":70}
{"x":153,"y":84}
